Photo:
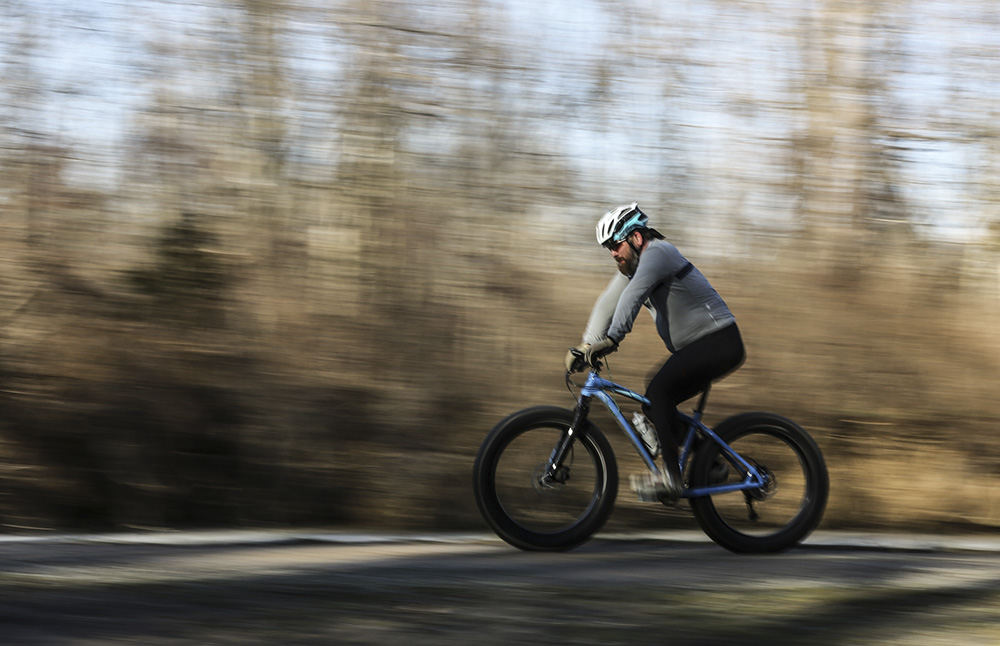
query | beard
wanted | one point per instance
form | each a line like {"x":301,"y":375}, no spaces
{"x":628,"y":265}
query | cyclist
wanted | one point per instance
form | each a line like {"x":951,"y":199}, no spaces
{"x":692,"y":319}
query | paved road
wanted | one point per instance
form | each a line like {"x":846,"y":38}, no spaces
{"x":666,"y":589}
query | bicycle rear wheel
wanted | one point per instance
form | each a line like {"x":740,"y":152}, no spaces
{"x":532,"y":512}
{"x":773,"y":517}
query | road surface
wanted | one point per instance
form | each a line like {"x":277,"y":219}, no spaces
{"x":476,"y":590}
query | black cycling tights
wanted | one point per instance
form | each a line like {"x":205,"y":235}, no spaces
{"x":685,"y":374}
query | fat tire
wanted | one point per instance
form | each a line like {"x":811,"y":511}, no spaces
{"x":588,"y":437}
{"x":816,"y":490}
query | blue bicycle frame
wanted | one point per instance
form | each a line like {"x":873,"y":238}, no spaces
{"x":598,"y":387}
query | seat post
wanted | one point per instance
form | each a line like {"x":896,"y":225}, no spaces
{"x":703,"y":399}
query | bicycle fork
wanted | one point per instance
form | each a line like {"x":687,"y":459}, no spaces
{"x":555,"y":471}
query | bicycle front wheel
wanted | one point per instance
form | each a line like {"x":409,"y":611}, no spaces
{"x":778,"y":514}
{"x":531,"y":507}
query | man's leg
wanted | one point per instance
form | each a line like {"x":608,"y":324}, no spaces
{"x":669,"y":387}
{"x":684,"y":374}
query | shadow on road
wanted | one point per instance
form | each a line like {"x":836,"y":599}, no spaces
{"x":607,"y":592}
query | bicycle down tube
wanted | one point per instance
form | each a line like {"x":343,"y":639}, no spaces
{"x":596,"y":387}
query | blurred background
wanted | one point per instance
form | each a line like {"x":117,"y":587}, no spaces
{"x":286,"y":262}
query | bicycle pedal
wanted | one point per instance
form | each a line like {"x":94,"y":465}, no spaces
{"x":643,"y":487}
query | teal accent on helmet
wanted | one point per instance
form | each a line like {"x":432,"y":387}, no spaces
{"x":636,"y":221}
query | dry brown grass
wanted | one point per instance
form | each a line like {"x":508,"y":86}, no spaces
{"x":294,"y":411}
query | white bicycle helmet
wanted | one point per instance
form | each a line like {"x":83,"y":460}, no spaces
{"x":615,"y":225}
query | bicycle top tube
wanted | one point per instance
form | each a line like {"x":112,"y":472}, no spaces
{"x":595,"y":384}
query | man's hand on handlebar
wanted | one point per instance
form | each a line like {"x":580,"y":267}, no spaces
{"x":589,"y":354}
{"x":574,"y":358}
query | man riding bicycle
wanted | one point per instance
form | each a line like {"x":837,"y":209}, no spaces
{"x":692,"y":319}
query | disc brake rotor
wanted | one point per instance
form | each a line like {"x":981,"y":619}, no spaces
{"x":770,"y":485}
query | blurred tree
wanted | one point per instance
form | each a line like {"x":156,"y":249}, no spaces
{"x":27,"y":160}
{"x":845,"y":167}
{"x":187,"y":282}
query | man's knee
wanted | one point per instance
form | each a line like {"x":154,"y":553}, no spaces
{"x":665,"y":420}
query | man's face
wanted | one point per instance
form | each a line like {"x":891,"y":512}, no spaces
{"x":624,"y":256}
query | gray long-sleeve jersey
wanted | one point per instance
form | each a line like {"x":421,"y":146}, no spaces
{"x":683,"y":303}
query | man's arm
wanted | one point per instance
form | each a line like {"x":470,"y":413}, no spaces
{"x":604,"y":309}
{"x":660,"y":263}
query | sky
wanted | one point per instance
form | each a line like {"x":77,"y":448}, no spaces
{"x":939,"y":61}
